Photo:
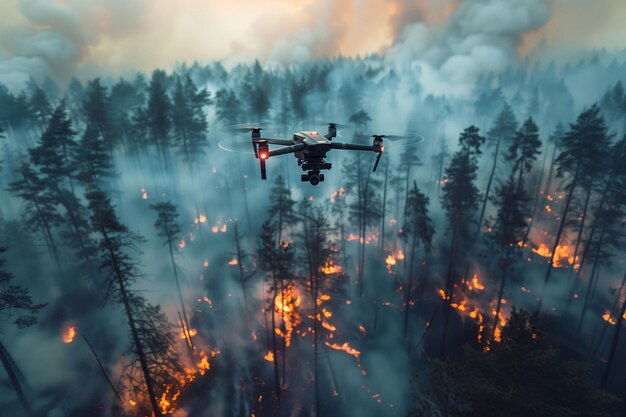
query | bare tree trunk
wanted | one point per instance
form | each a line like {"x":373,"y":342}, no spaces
{"x":407,"y":298}
{"x":104,"y":372}
{"x":488,"y":189}
{"x":450,"y":283}
{"x":5,"y":358}
{"x":614,"y":344}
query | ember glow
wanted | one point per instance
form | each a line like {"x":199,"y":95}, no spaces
{"x":69,"y":334}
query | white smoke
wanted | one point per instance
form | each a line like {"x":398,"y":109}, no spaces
{"x":53,"y":37}
{"x":481,"y":36}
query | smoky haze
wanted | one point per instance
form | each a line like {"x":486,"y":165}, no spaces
{"x":427,"y":69}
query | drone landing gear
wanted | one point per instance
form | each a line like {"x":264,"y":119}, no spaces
{"x":314,"y":177}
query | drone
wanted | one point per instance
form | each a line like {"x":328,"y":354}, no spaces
{"x":309,"y":147}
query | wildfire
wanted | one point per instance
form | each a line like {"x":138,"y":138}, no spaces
{"x":345,"y":347}
{"x":217,"y":228}
{"x":269,"y":356}
{"x":286,"y":304}
{"x":182,"y":243}
{"x":200,"y":219}
{"x":610,"y":319}
{"x":330,"y":267}
{"x":191,"y":332}
{"x":563,"y":257}
{"x":69,"y":335}
{"x":144,"y":194}
{"x":233,"y":261}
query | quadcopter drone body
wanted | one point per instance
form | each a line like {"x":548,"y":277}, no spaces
{"x":310,"y":148}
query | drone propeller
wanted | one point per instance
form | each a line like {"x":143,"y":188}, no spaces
{"x":246,"y":127}
{"x":317,"y":123}
{"x":409,"y":136}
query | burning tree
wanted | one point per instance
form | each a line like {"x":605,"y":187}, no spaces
{"x":276,"y":260}
{"x":151,"y":336}
{"x":460,"y":200}
{"x":508,"y":231}
{"x":582,"y":162}
{"x":520,"y":376}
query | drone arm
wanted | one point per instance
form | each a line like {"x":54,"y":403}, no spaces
{"x":271,"y":141}
{"x":354,"y":147}
{"x":287,"y":149}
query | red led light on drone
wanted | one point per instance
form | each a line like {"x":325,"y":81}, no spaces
{"x":263,"y":155}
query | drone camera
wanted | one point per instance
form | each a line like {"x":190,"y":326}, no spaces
{"x":314,"y":177}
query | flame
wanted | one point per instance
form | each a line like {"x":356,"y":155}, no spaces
{"x":286,"y":304}
{"x":144,"y":194}
{"x":345,"y":347}
{"x":224,"y":228}
{"x":233,"y":261}
{"x":182,"y":243}
{"x":69,"y":335}
{"x":330,"y":267}
{"x":191,"y":332}
{"x":269,"y":356}
{"x":205,"y":263}
{"x":215,"y":229}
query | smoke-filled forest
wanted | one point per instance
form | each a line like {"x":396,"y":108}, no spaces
{"x":146,"y":269}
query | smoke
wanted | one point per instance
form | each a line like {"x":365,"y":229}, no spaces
{"x":53,"y":38}
{"x":481,"y":36}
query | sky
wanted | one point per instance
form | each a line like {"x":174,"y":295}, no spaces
{"x":91,"y":37}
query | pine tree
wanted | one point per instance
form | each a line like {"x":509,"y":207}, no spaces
{"x":16,"y":302}
{"x":502,"y":133}
{"x":228,"y":106}
{"x":41,"y":213}
{"x":582,"y":160}
{"x":151,"y":342}
{"x":460,"y":200}
{"x":420,"y":230}
{"x":524,"y":150}
{"x":509,"y":227}
{"x":52,"y":156}
{"x":90,"y":159}
{"x":159,"y":114}
{"x":169,"y":229}
{"x":189,"y":122}
{"x":276,"y":260}
{"x":365,"y":203}
{"x":281,"y":208}
{"x":40,"y":107}
{"x":97,"y":110}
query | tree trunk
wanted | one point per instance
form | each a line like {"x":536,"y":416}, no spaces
{"x":450,"y":282}
{"x":489,"y":182}
{"x":407,"y":298}
{"x":17,"y":386}
{"x":614,"y":344}
{"x":558,"y":236}
{"x":274,"y":346}
{"x":133,"y":328}
{"x":592,"y":278}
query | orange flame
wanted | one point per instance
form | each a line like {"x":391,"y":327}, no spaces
{"x":345,"y":347}
{"x":69,"y":335}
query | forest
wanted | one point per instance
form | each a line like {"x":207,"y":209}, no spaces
{"x":147,"y":270}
